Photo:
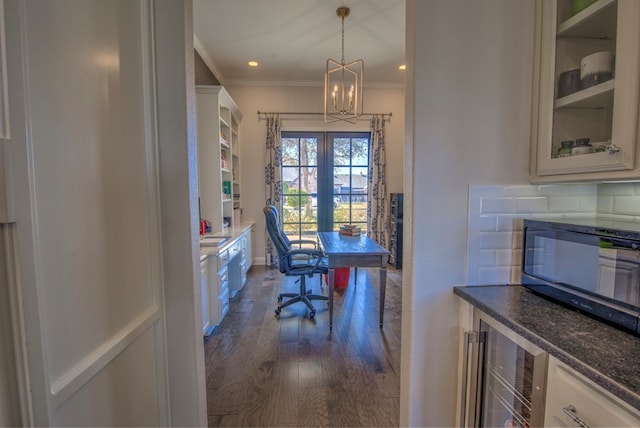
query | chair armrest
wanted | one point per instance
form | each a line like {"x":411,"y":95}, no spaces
{"x":304,"y":241}
{"x":297,"y":266}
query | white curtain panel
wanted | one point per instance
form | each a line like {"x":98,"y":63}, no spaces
{"x":377,"y":212}
{"x":272,"y":179}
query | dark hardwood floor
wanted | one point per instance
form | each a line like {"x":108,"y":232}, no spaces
{"x":290,"y":371}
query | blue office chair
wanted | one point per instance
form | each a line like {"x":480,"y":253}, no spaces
{"x":292,"y":261}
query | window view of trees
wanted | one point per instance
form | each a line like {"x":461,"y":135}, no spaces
{"x":331,"y":168}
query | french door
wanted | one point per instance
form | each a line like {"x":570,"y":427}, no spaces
{"x":324,"y":179}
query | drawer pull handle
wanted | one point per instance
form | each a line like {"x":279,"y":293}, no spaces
{"x":570,"y":411}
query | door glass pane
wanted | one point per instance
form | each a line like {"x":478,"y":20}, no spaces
{"x":350,"y":179}
{"x":360,"y":152}
{"x":290,"y":152}
{"x":299,"y":185}
{"x":584,"y":90}
{"x":341,"y":151}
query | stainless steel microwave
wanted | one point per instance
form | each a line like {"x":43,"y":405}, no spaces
{"x":591,"y":265}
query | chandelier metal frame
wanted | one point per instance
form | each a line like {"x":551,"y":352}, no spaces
{"x":343,"y":84}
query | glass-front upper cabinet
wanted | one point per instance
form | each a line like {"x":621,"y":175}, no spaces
{"x":587,"y":72}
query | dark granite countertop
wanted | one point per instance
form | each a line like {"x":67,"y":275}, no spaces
{"x":608,"y":356}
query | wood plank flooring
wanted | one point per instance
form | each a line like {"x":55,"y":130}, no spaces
{"x":290,"y":371}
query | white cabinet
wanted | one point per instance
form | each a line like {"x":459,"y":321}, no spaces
{"x":571,"y":398}
{"x":220,"y":296}
{"x":604,"y":109}
{"x":247,"y":252}
{"x":214,"y":280}
{"x":218,"y":120}
{"x":205,"y":283}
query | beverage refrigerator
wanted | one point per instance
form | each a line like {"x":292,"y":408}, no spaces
{"x":504,"y":378}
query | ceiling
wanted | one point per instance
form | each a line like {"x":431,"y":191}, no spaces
{"x":292,"y":39}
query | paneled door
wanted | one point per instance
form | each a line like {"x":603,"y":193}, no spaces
{"x":86,"y":182}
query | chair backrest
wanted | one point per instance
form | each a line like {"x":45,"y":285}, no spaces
{"x":278,"y":238}
{"x":283,"y":235}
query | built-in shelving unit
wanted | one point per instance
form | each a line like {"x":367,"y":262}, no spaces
{"x":218,"y":120}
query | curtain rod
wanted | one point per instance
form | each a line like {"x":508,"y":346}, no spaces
{"x":292,"y":113}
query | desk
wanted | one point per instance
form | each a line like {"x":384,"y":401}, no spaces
{"x":354,"y":251}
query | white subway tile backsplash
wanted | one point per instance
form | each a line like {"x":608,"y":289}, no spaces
{"x":495,"y":240}
{"x":628,"y":205}
{"x":503,"y":257}
{"x":616,"y":189}
{"x":605,"y":204}
{"x":589,"y":205}
{"x":527,"y":204}
{"x":508,"y":222}
{"x":487,"y":258}
{"x":516,"y":239}
{"x":560,"y":204}
{"x":493,"y":205}
{"x":521,"y":191}
{"x":488,"y":224}
{"x":494,"y":275}
{"x":515,"y":275}
{"x":553,"y":189}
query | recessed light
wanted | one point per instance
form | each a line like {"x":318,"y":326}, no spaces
{"x":253,"y":63}
{"x":402,"y":67}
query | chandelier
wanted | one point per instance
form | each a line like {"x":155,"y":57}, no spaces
{"x":343,"y":85}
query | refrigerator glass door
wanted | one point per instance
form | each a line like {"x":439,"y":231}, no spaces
{"x":511,"y":380}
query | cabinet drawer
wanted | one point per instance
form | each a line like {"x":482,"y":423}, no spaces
{"x":223,"y":281}
{"x":224,"y":303}
{"x":235,"y":249}
{"x":593,"y":405}
{"x":223,"y":258}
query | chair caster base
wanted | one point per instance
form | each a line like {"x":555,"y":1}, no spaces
{"x":278,"y":310}
{"x":312,"y":315}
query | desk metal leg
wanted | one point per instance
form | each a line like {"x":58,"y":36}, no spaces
{"x":331,"y":278}
{"x":382,"y":276}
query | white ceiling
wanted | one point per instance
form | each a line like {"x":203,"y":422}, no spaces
{"x":292,"y":39}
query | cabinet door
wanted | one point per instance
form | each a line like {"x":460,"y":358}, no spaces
{"x":219,"y":292}
{"x":204,"y":288}
{"x":567,"y":110}
{"x":571,"y":398}
{"x":249,"y":246}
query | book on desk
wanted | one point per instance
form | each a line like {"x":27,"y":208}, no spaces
{"x":350,"y":229}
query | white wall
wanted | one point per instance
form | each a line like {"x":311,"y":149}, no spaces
{"x":468,"y":109}
{"x":251,"y":99}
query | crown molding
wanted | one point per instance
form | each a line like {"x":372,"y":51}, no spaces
{"x":206,"y":57}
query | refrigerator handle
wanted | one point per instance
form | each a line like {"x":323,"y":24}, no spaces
{"x":469,"y":369}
